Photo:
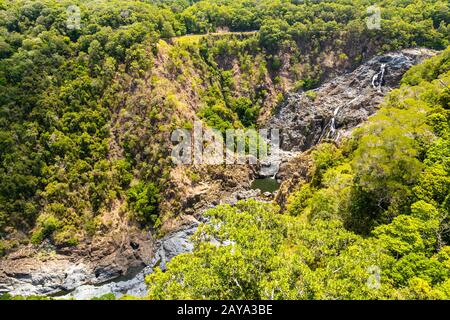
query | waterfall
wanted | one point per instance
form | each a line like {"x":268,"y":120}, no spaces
{"x":333,"y":120}
{"x":333,"y":124}
{"x":377,"y":80}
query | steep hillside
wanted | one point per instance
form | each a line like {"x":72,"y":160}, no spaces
{"x":92,"y":90}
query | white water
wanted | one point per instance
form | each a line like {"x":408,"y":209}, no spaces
{"x":333,"y":132}
{"x":333,"y":120}
{"x":377,"y":80}
{"x":333,"y":124}
{"x":377,"y":83}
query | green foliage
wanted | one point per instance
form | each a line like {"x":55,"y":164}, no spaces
{"x":57,"y":93}
{"x":107,"y":296}
{"x":273,"y":33}
{"x":259,"y":254}
{"x":246,"y":111}
{"x":47,"y":224}
{"x":298,"y":200}
{"x":7,"y":296}
{"x":404,"y":235}
{"x":307,"y":84}
{"x":325,"y":156}
{"x":311,"y":94}
{"x":264,"y":255}
{"x":144,"y":200}
{"x":417,"y":265}
{"x":219,"y":117}
{"x":249,"y":234}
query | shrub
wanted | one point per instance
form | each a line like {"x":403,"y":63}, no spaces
{"x":47,"y":224}
{"x":144,"y":201}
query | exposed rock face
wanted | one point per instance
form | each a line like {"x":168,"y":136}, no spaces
{"x":339,"y":105}
{"x":135,"y":286}
{"x":269,"y":166}
{"x":165,"y":249}
{"x":48,"y":270}
{"x":173,"y":245}
{"x":333,"y":110}
{"x":293,"y":172}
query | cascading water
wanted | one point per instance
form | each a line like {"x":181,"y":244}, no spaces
{"x":330,"y":130}
{"x":377,"y":80}
{"x":333,"y":123}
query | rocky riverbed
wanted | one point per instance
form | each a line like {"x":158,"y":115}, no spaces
{"x":134,"y":284}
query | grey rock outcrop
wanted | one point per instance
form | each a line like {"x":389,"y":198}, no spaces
{"x":173,"y":245}
{"x":50,"y":271}
{"x":165,"y":250}
{"x":333,"y":109}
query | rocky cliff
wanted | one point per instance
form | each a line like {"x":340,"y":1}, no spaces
{"x":337,"y":106}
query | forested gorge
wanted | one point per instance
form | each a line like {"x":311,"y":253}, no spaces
{"x":371,"y":223}
{"x":86,"y":112}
